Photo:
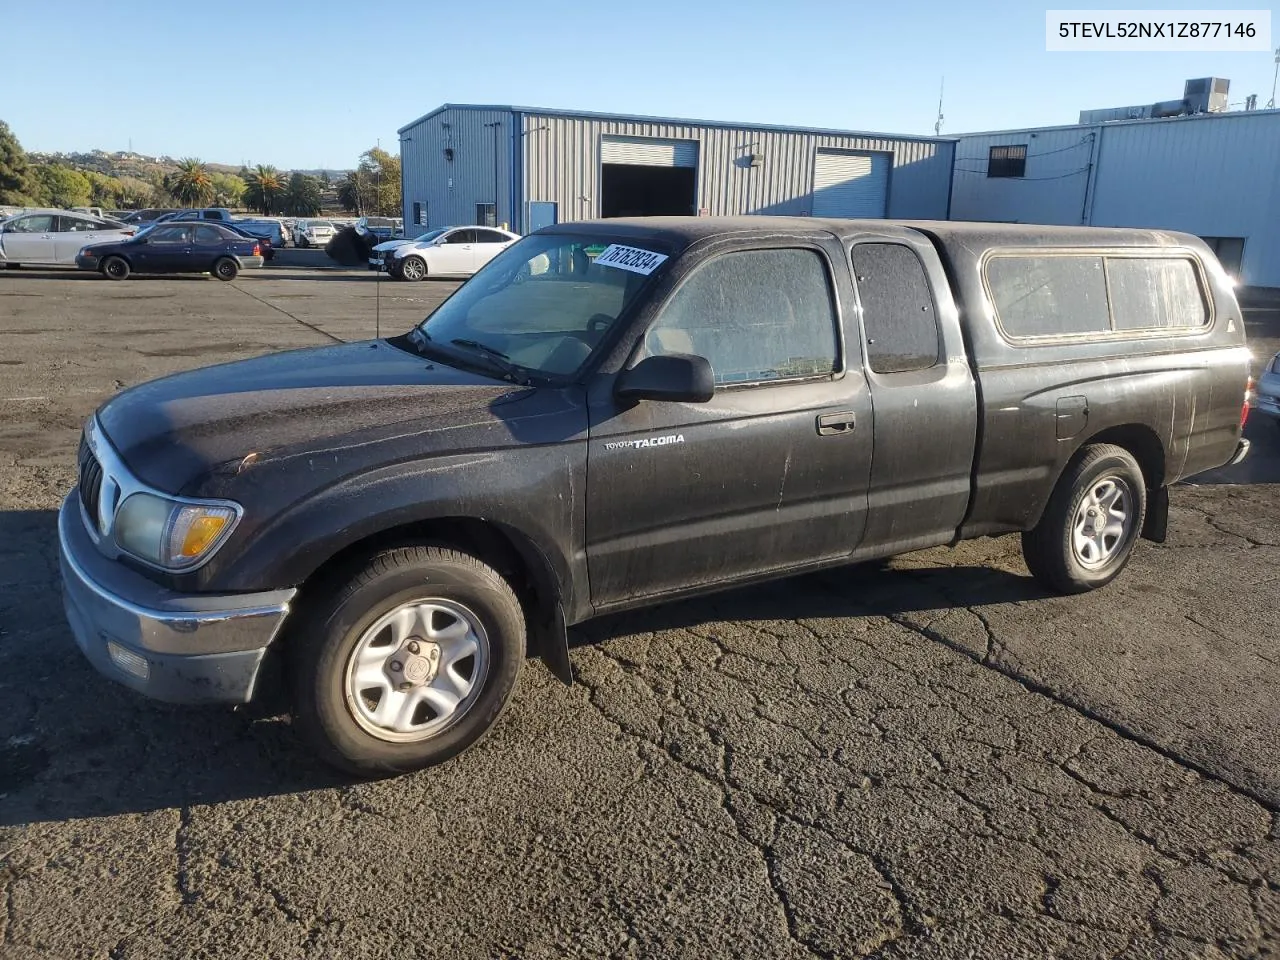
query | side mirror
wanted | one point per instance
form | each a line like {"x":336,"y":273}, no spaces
{"x":674,"y":377}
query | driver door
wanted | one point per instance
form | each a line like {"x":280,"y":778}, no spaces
{"x":453,"y":255}
{"x":770,"y":474}
{"x":30,"y":239}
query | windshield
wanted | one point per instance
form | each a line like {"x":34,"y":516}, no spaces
{"x":544,"y":303}
{"x":428,"y":236}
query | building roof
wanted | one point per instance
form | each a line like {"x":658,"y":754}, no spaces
{"x":1146,"y":121}
{"x":637,"y":118}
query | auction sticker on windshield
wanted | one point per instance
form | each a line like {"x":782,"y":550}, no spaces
{"x":631,"y":258}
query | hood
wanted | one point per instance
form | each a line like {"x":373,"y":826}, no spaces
{"x":286,"y":407}
{"x":391,"y":245}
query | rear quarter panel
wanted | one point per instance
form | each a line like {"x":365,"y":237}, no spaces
{"x":1183,"y":389}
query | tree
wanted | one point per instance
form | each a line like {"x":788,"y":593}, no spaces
{"x":18,"y":185}
{"x":133,"y":193}
{"x":191,"y":183}
{"x":302,"y":198}
{"x":104,"y":191}
{"x":263,"y":189}
{"x":382,"y":172}
{"x":349,"y":193}
{"x":227,"y":189}
{"x":60,"y":186}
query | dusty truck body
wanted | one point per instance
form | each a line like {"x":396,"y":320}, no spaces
{"x":616,"y":413}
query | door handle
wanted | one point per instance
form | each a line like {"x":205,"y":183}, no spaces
{"x":835,"y":424}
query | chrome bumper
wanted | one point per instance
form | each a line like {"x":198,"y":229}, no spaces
{"x":182,"y":648}
{"x":1242,"y":451}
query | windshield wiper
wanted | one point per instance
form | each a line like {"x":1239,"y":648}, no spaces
{"x":495,"y":357}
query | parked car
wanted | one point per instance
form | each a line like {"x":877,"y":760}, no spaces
{"x":618,"y":413}
{"x":312,"y":233}
{"x":53,"y":236}
{"x":140,"y":218}
{"x":266,"y":232}
{"x":216,"y":214}
{"x":454,"y":252}
{"x":1267,"y":395}
{"x":378,"y":254}
{"x":175,"y":248}
{"x":384,"y":228}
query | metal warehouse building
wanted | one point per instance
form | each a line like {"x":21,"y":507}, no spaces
{"x":529,"y":167}
{"x":1215,"y":175}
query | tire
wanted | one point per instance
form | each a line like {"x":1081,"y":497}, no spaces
{"x":412,"y":268}
{"x":350,"y":624}
{"x":115,"y":268}
{"x":1062,"y":551}
{"x":224,"y":268}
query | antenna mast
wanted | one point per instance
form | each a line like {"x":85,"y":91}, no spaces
{"x":937,"y":127}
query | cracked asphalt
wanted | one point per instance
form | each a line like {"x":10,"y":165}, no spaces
{"x":924,"y":758}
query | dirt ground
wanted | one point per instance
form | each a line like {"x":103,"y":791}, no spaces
{"x":933,"y":759}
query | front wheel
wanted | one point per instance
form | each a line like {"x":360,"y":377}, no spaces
{"x":412,"y":268}
{"x":1092,"y":521}
{"x":115,"y":268}
{"x":226,"y":269}
{"x":407,"y":662}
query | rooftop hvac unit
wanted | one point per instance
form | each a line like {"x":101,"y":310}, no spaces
{"x":1206,"y":95}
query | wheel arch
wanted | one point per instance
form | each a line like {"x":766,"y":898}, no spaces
{"x":508,"y":550}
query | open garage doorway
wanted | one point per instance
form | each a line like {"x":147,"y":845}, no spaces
{"x":642,"y":177}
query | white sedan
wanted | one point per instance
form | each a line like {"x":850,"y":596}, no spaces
{"x":54,"y":236}
{"x":453,"y":252}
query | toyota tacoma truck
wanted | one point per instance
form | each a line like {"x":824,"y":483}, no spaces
{"x":617,"y":413}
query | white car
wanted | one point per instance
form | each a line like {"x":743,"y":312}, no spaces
{"x":54,"y":236}
{"x":452,"y":252}
{"x":312,"y":233}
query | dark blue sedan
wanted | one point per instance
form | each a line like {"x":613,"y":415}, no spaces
{"x":174,"y":248}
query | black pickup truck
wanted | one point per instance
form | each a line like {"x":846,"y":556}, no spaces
{"x":615,"y":413}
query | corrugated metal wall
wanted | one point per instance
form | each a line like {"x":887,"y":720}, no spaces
{"x":452,"y":188}
{"x":1053,"y":190}
{"x":1212,"y":176}
{"x":562,"y":165}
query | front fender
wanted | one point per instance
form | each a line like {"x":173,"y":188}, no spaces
{"x":535,"y":496}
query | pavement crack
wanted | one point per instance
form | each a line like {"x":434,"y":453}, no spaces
{"x":182,"y":878}
{"x":1120,"y":729}
{"x":298,"y":320}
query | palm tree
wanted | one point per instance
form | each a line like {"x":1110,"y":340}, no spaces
{"x":191,"y":183}
{"x":302,"y":199}
{"x":264,"y":186}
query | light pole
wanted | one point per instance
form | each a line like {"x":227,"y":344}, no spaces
{"x":1272,"y":102}
{"x":496,"y":124}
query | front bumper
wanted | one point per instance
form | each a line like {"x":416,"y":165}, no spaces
{"x":88,"y":263}
{"x":181,"y":648}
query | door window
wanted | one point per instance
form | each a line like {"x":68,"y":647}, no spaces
{"x":41,"y":223}
{"x":167,"y":234}
{"x":208,"y":236}
{"x":79,"y":225}
{"x":898,"y":312}
{"x":756,"y":316}
{"x":461,"y":236}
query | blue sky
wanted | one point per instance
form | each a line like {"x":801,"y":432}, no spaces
{"x":279,"y":91}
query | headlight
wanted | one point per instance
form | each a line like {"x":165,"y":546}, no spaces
{"x":87,"y":252}
{"x":170,"y":533}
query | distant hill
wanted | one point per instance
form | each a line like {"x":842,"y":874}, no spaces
{"x":124,"y":163}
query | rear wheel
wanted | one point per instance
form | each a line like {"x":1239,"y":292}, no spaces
{"x":1091,"y":523}
{"x":225,"y":268}
{"x":413,"y":268}
{"x":115,"y":268}
{"x":406,"y":660}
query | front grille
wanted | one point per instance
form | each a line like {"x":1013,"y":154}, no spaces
{"x":90,"y":482}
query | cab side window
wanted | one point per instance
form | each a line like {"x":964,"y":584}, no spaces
{"x":898,"y":312}
{"x":756,"y":316}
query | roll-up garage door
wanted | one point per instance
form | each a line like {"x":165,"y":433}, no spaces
{"x":646,"y":152}
{"x":851,"y":184}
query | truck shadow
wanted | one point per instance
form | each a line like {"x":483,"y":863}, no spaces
{"x":75,"y":745}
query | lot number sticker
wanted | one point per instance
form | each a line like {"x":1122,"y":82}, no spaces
{"x":631,"y":258}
